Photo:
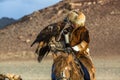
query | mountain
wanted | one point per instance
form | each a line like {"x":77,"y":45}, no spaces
{"x":6,"y":21}
{"x":102,"y":22}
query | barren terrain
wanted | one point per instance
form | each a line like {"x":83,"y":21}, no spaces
{"x":106,"y":68}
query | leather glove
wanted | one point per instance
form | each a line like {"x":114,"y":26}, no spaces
{"x":52,"y":47}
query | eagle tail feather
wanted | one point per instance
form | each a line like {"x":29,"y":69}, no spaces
{"x":43,"y":52}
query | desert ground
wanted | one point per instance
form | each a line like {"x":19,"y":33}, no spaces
{"x":107,"y":68}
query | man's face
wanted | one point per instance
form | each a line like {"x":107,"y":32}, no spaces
{"x":74,"y":25}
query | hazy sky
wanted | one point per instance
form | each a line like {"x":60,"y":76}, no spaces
{"x":18,"y":8}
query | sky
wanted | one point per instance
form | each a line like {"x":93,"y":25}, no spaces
{"x":18,"y":8}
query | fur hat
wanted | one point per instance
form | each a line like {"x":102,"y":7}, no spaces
{"x":77,"y":18}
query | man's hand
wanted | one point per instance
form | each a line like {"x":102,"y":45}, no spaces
{"x":69,"y":50}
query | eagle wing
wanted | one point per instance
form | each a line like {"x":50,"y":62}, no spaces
{"x":44,"y":38}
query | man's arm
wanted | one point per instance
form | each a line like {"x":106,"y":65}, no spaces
{"x":83,"y":45}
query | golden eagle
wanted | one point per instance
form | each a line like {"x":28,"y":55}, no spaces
{"x":44,"y":37}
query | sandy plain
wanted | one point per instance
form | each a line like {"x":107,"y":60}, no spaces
{"x":107,"y":68}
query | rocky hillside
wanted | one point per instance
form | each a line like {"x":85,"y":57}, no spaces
{"x":102,"y":22}
{"x":6,"y":21}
